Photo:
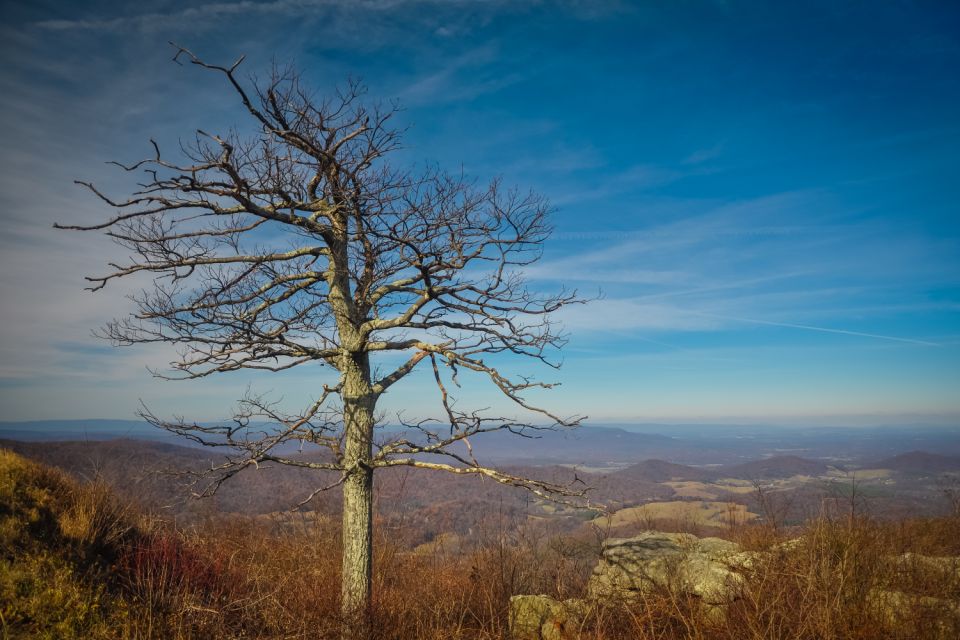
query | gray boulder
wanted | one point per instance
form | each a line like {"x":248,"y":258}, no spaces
{"x":944,"y":566}
{"x":541,"y":617}
{"x":704,"y":567}
{"x":940,"y":617}
{"x":712,"y":569}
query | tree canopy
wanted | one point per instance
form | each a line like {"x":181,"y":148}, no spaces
{"x":303,"y":244}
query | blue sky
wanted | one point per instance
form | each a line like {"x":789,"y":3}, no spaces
{"x":767,"y":196}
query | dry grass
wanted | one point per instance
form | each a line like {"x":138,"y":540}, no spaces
{"x":58,"y":541}
{"x":77,"y":564}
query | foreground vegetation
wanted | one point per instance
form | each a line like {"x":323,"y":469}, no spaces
{"x":78,"y":563}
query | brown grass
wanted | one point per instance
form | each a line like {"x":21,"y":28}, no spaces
{"x":78,"y":564}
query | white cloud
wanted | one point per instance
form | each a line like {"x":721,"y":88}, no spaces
{"x":446,"y":85}
{"x":805,"y":327}
{"x":207,"y":15}
{"x":155,"y":21}
{"x":625,"y":314}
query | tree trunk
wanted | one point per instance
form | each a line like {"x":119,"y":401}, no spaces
{"x":357,"y":571}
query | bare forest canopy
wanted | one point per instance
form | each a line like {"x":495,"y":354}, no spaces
{"x":423,"y":508}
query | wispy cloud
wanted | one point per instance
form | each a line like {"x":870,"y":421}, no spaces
{"x":206,"y":15}
{"x":157,"y":21}
{"x":704,"y":155}
{"x":805,"y":327}
{"x":707,"y":212}
{"x":699,"y":250}
{"x":748,"y":262}
{"x":448,"y":84}
{"x":629,"y":180}
{"x":631,"y":315}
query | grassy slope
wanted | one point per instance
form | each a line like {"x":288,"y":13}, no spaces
{"x":58,"y":542}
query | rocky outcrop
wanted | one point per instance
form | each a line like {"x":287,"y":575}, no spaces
{"x":707,"y":568}
{"x":947,"y":566}
{"x":704,"y":567}
{"x":543,"y":618}
{"x":710,"y":569}
{"x":938,"y":615}
{"x":889,"y":606}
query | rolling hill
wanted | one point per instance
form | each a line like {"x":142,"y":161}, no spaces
{"x":920,"y":462}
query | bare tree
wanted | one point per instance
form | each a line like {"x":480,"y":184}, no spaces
{"x":303,"y":245}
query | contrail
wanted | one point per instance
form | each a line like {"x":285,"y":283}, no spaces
{"x":822,"y":329}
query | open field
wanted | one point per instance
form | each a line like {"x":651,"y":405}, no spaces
{"x":692,"y":489}
{"x":734,"y":485}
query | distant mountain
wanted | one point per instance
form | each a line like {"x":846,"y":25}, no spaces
{"x":608,"y":446}
{"x":583,"y":445}
{"x":662,"y":471}
{"x":80,"y":430}
{"x":920,"y":462}
{"x":775,"y":467}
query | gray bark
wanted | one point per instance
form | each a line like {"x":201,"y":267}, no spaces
{"x":357,"y":561}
